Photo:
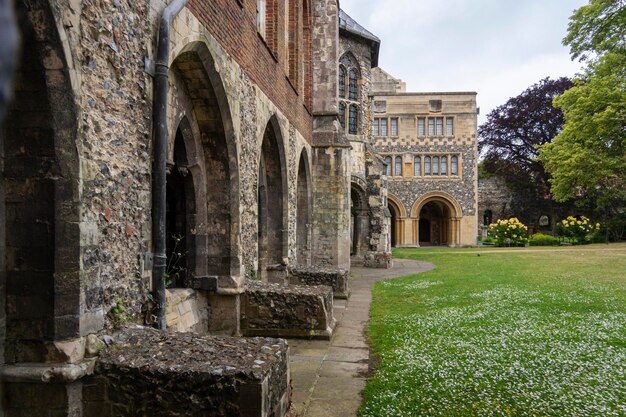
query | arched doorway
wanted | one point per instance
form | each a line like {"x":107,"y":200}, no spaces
{"x":396,"y":211}
{"x":205,"y":166}
{"x":271,"y":204}
{"x":303,"y":213}
{"x":180,"y":215}
{"x":438,"y":222}
{"x":39,"y":224}
{"x":360,"y":221}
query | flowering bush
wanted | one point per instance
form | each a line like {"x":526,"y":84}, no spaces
{"x":577,"y":231}
{"x":508,"y":232}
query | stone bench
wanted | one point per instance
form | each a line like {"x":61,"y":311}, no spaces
{"x":154,"y":373}
{"x":337,"y":279}
{"x":287,"y":311}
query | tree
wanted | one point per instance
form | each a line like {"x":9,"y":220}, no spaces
{"x":510,"y":138}
{"x":587,"y":160}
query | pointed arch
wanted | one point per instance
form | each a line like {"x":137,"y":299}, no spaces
{"x":304,"y":210}
{"x":216,"y":156}
{"x":272,"y":200}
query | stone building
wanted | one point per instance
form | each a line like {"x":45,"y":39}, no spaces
{"x":358,"y":56}
{"x":189,"y":143}
{"x":429,"y":143}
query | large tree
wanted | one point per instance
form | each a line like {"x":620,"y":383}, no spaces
{"x":510,"y":138}
{"x":587,"y":160}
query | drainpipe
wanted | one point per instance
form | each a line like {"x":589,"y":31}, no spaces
{"x":160,"y":156}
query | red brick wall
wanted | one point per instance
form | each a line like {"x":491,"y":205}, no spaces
{"x":234,"y":27}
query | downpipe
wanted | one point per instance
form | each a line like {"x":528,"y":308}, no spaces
{"x":159,"y":120}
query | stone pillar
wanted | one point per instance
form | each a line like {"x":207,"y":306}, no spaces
{"x":362,"y":232}
{"x":331,"y":149}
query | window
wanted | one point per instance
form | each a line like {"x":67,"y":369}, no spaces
{"x":431,"y":127}
{"x":388,"y":168}
{"x":394,"y":127}
{"x":427,"y":165}
{"x":398,"y":166}
{"x":342,"y":82}
{"x":417,"y":167}
{"x":260,"y":17}
{"x":353,"y":120}
{"x":376,"y":127}
{"x":383,"y":127}
{"x":353,"y":86}
{"x":342,"y":115}
{"x":435,"y":166}
{"x":421,"y":126}
{"x":449,"y":126}
{"x":444,"y":165}
{"x":454,"y":165}
{"x":439,"y":121}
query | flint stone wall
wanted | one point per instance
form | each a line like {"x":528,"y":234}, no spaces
{"x":287,"y":311}
{"x":147,"y":372}
{"x":337,"y":279}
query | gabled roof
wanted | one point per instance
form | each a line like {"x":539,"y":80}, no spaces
{"x":349,"y":25}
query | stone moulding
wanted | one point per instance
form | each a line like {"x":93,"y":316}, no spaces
{"x":149,"y":372}
{"x":277,"y":310}
{"x":337,"y":279}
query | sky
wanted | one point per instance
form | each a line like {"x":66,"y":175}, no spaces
{"x":497,"y":48}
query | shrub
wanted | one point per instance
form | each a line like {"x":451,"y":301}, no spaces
{"x":540,"y":239}
{"x":509,"y":232}
{"x":577,"y":231}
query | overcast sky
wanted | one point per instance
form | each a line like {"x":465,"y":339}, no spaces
{"x":497,"y":48}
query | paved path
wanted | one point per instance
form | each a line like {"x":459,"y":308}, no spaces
{"x":328,"y":376}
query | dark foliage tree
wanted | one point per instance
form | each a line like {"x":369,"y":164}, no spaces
{"x":509,"y":140}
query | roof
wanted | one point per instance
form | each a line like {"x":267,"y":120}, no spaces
{"x":351,"y":26}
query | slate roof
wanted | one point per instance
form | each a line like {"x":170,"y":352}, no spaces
{"x":351,"y":26}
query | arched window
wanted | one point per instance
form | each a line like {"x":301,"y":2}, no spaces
{"x":398,"y":166}
{"x":444,"y":165}
{"x":427,"y":165}
{"x":353,"y":119}
{"x":353,"y":89}
{"x":417,"y":167}
{"x":435,"y":165}
{"x":388,"y":168}
{"x":454,"y":165}
{"x":342,"y":82}
{"x":342,"y":115}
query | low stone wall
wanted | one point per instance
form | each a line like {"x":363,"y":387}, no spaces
{"x":287,"y":311}
{"x":152,"y":373}
{"x":337,"y":279}
{"x":186,"y":310}
{"x":378,"y":260}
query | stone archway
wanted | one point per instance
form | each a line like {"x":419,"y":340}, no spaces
{"x":438,"y":218}
{"x":303,"y":212}
{"x":212,"y":229}
{"x":271,"y":192}
{"x":39,"y":193}
{"x":360,"y":221}
{"x":398,"y":214}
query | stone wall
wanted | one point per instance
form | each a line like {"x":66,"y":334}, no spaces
{"x":276,"y":310}
{"x":147,"y":372}
{"x":337,"y":279}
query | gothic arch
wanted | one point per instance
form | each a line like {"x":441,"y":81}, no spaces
{"x":214,"y":161}
{"x":304,"y":210}
{"x":398,"y":213}
{"x":444,"y":197}
{"x":272,"y":193}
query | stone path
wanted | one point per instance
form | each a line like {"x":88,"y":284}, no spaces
{"x":328,"y":376}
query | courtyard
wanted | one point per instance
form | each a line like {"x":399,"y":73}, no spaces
{"x":497,"y":332}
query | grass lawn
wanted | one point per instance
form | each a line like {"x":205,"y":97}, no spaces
{"x":523,"y":332}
